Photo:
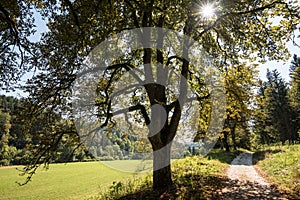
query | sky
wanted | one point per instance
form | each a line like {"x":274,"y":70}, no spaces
{"x":282,"y":67}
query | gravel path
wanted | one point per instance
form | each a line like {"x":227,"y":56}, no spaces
{"x":241,"y":168}
{"x":245,"y":183}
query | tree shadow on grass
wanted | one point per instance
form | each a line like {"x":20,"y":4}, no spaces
{"x":185,"y":187}
{"x":223,"y":156}
{"x":210,"y":187}
{"x":263,"y":154}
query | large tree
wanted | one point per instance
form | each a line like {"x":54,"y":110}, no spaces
{"x":238,"y":30}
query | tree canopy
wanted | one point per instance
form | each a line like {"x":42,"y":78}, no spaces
{"x":17,"y":51}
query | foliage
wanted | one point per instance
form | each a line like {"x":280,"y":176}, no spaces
{"x":273,"y":121}
{"x":4,"y":137}
{"x":294,"y":96}
{"x":240,"y":83}
{"x":17,"y":52}
{"x":17,"y":139}
{"x":24,"y":135}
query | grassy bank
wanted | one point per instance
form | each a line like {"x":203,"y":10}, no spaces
{"x":281,"y":165}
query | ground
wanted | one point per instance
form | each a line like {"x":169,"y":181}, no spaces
{"x":245,"y":183}
{"x":194,"y":178}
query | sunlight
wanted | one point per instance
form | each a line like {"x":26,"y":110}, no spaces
{"x":207,"y":10}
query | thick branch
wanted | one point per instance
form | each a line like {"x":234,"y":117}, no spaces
{"x":173,"y":57}
{"x":198,"y":98}
{"x":134,"y":108}
{"x":135,"y":19}
{"x":73,"y":12}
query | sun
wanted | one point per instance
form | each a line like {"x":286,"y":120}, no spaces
{"x":207,"y":10}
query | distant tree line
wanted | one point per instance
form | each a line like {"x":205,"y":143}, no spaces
{"x":20,"y":138}
{"x":12,"y":139}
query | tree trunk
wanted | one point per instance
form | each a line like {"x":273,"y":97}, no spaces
{"x":225,"y":142}
{"x":233,"y":137}
{"x":162,"y":179}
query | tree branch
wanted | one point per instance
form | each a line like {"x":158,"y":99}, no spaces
{"x":74,"y":14}
{"x":134,"y":108}
{"x":173,"y":57}
{"x":135,"y":19}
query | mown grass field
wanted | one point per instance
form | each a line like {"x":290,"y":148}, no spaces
{"x":281,"y":165}
{"x":62,"y":181}
{"x":99,"y":180}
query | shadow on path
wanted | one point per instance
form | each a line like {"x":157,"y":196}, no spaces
{"x":235,"y":189}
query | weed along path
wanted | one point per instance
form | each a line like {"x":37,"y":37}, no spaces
{"x":245,"y":183}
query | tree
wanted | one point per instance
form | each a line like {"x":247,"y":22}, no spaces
{"x":274,"y":113}
{"x":4,"y":137}
{"x":294,"y":96}
{"x":239,"y":83}
{"x":13,"y":107}
{"x":238,"y":31}
{"x":239,"y":86}
{"x":278,"y":107}
{"x":260,"y":121}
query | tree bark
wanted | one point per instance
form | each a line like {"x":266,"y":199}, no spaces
{"x":225,"y":142}
{"x":233,"y":136}
{"x":162,"y":179}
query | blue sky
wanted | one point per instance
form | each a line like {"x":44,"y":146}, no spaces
{"x":283,"y":68}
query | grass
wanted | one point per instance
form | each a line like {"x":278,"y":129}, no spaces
{"x":131,"y":166}
{"x":61,"y":181}
{"x":281,"y":165}
{"x":193,"y":177}
{"x":99,"y":180}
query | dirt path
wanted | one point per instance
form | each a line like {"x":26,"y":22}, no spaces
{"x":245,"y":183}
{"x":241,"y":168}
{"x":14,"y":166}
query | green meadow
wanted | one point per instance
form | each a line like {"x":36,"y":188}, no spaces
{"x":281,"y":165}
{"x":104,"y":180}
{"x":65,"y":181}
{"x":98,"y":180}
